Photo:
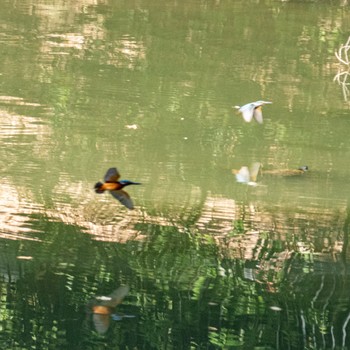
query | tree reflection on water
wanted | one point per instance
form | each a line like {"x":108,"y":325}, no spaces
{"x":234,"y":274}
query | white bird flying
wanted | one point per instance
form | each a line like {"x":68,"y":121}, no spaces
{"x":252,"y":109}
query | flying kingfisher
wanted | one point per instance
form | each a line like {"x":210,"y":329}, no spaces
{"x":114,"y":187}
{"x":252,"y":109}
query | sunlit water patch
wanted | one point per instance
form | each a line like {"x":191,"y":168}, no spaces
{"x":17,"y":208}
{"x":16,"y":125}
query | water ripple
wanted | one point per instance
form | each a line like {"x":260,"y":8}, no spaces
{"x":15,"y":211}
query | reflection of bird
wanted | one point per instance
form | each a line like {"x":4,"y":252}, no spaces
{"x":247,"y":176}
{"x":286,"y":172}
{"x":102,"y":308}
{"x":114,"y":186}
{"x":252,"y":109}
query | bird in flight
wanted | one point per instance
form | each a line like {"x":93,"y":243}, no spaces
{"x":115,"y":187}
{"x":252,"y":109}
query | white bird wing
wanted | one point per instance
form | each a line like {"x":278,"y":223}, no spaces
{"x":247,"y":112}
{"x":258,"y":114}
{"x":243,"y":175}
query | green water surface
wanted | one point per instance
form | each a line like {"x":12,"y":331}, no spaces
{"x":149,"y":87}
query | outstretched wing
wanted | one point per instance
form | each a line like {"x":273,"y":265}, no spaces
{"x":112,"y":175}
{"x":101,"y":322}
{"x":116,"y":297}
{"x":243,"y":175}
{"x":254,"y":171}
{"x":247,"y":112}
{"x":123,"y":198}
{"x":258,"y":114}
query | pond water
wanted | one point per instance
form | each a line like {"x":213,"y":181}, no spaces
{"x":149,"y":87}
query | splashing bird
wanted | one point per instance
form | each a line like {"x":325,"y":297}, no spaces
{"x":252,"y":109}
{"x":115,"y":187}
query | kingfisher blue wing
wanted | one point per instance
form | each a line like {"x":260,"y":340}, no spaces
{"x":112,"y":175}
{"x":123,"y":198}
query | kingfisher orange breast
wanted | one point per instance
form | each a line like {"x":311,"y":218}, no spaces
{"x":111,"y":186}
